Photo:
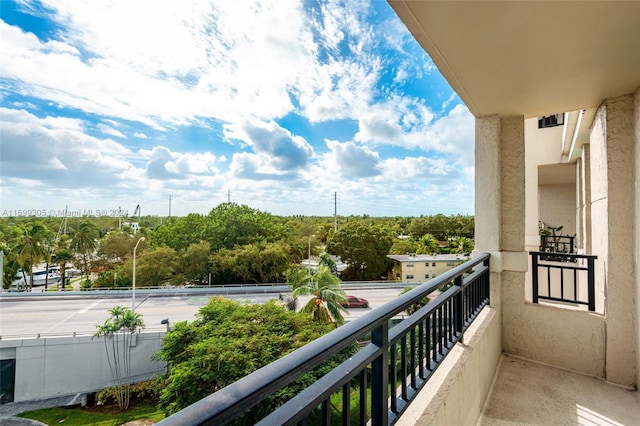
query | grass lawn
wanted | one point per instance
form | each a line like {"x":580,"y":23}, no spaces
{"x":97,"y":415}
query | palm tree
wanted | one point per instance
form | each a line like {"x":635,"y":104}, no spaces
{"x":428,"y":244}
{"x":32,"y":248}
{"x":327,"y":297}
{"x":62,"y":257}
{"x":84,"y":242}
{"x":118,"y":329}
{"x":461,"y":245}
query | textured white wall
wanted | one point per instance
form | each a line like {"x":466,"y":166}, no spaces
{"x":636,"y":224}
{"x":542,"y":146}
{"x":612,"y":215}
{"x":557,"y":204}
{"x":457,"y":391}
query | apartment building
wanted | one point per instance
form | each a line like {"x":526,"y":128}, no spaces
{"x":416,"y":268}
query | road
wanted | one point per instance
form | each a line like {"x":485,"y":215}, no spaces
{"x":44,"y":316}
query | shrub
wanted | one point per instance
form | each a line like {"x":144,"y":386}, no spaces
{"x":147,"y":392}
{"x":419,"y":304}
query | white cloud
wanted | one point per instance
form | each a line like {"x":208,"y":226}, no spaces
{"x":163,"y":164}
{"x":107,"y":130}
{"x":275,"y":146}
{"x":407,"y":123}
{"x":252,"y":167}
{"x":56,"y":149}
{"x":275,"y":78}
{"x":351,"y":161}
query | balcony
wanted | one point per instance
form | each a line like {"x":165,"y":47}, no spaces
{"x":530,"y":393}
{"x":449,"y":366}
{"x":393,"y":364}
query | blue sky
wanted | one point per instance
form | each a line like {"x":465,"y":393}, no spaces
{"x":274,"y":104}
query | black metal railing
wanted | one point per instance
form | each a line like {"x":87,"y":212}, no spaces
{"x":382,"y":377}
{"x":564,"y":277}
{"x":557,"y":243}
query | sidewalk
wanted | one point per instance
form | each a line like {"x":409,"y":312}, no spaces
{"x":8,"y":411}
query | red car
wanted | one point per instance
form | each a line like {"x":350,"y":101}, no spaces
{"x":355,"y":302}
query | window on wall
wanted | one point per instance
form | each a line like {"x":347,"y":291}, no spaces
{"x":550,"y":121}
{"x":433,"y":264}
{"x":409,"y":265}
{"x":426,"y":276}
{"x":409,"y":277}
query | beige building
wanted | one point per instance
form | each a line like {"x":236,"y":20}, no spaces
{"x":555,"y":89}
{"x":417,"y":268}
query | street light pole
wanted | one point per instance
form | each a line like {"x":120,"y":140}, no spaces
{"x":309,"y":260}
{"x":133,"y":293}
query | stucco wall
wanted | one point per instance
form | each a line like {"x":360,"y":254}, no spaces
{"x":571,"y":339}
{"x":51,"y":367}
{"x":557,"y":206}
{"x":457,"y":391}
{"x":542,"y":146}
{"x":636,"y":230}
{"x":612,"y":214}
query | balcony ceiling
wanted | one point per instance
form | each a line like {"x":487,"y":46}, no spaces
{"x":530,"y":58}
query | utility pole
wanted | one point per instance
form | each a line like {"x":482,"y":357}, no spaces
{"x":335,"y":212}
{"x":228,"y":195}
{"x":169,"y":205}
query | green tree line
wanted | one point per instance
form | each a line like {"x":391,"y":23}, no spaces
{"x":231,"y":244}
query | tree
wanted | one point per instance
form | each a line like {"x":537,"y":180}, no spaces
{"x":62,"y":257}
{"x":428,"y":244}
{"x":155,"y":267}
{"x":419,"y":304}
{"x":461,"y":245}
{"x":364,"y":248}
{"x":228,"y":341}
{"x":115,"y":248}
{"x":84,"y":243}
{"x":230,"y":224}
{"x":252,"y":263}
{"x":9,"y":238}
{"x":403,"y":246}
{"x":327,"y":297}
{"x":32,"y":248}
{"x":180,"y":233}
{"x":117,"y":332}
{"x":195,"y":262}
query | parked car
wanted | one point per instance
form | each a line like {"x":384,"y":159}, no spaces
{"x":355,"y":302}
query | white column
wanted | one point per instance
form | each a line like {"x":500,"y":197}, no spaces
{"x":636,"y":222}
{"x":612,"y":194}
{"x":500,"y":203}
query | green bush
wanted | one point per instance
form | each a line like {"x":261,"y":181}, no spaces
{"x":147,"y":392}
{"x":419,"y":304}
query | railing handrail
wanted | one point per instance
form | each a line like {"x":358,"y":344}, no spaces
{"x":246,"y":392}
{"x":555,"y":241}
{"x":563,"y":261}
{"x":61,"y":334}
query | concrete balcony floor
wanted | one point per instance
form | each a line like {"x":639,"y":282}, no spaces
{"x":527,"y":393}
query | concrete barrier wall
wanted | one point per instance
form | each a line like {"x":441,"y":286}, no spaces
{"x":51,"y":367}
{"x":457,"y":391}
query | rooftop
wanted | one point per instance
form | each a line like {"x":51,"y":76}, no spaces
{"x":427,"y":257}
